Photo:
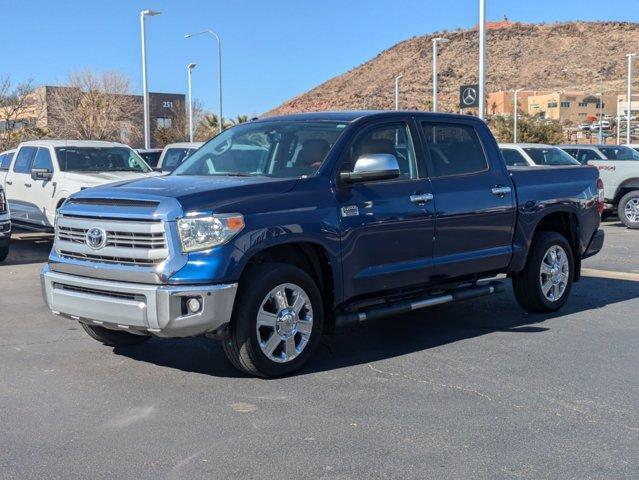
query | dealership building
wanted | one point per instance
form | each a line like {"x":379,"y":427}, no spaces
{"x":165,"y":109}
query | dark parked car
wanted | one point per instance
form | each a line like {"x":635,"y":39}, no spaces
{"x":277,"y":230}
{"x":150,"y":155}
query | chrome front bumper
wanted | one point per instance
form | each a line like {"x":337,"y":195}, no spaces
{"x":138,"y":308}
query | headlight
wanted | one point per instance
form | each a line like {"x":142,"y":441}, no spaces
{"x":3,"y":202}
{"x":200,"y":233}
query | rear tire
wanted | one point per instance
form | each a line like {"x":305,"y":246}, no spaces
{"x":113,"y":338}
{"x":545,"y":283}
{"x":628,"y":209}
{"x":288,"y":304}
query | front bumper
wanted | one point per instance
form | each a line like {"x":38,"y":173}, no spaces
{"x":138,"y":308}
{"x":596,"y":244}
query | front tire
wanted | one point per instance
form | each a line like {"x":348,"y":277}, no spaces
{"x":545,"y":283}
{"x":277,"y":321}
{"x":113,"y":338}
{"x":4,"y":252}
{"x":628,"y":209}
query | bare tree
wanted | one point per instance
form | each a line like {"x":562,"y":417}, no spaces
{"x":178,"y":131}
{"x":95,"y":106}
{"x":20,"y":113}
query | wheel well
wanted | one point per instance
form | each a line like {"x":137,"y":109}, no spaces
{"x":566,"y":224}
{"x":623,"y":190}
{"x":311,"y":258}
{"x":60,"y":202}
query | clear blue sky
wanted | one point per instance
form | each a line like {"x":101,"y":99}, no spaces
{"x":272,"y":50}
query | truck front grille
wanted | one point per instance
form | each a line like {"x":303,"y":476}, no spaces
{"x":127,"y":242}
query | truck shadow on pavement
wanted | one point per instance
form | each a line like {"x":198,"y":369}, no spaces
{"x":28,"y":247}
{"x":398,"y":336}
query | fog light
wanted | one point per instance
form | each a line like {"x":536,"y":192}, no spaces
{"x":194,"y":305}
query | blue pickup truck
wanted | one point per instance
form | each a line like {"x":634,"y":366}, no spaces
{"x":279,"y":229}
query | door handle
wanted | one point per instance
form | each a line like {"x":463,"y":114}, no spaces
{"x":500,"y":191}
{"x":421,"y":198}
{"x":28,"y":185}
{"x":8,"y":182}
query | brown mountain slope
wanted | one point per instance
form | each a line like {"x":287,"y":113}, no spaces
{"x":572,"y":56}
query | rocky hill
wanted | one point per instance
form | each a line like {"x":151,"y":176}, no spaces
{"x":588,"y":56}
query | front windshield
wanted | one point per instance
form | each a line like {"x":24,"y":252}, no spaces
{"x":276,"y":149}
{"x":619,"y":152}
{"x":100,"y":159}
{"x":550,"y":156}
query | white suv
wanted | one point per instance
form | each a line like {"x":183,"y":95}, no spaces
{"x":619,"y":169}
{"x":534,"y":155}
{"x":44,"y":173}
{"x":174,"y":154}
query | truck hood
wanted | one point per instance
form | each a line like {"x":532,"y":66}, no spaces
{"x":193,"y":193}
{"x":92,"y":179}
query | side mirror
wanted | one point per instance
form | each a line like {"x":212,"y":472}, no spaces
{"x":375,"y":166}
{"x":41,"y":174}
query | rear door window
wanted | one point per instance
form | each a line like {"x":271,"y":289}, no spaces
{"x":454,"y":149}
{"x":585,"y":156}
{"x":24,"y":159}
{"x":43,"y":160}
{"x":513,"y":158}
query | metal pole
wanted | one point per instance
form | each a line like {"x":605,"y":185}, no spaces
{"x":629,"y":96}
{"x":145,"y":89}
{"x":219,"y":71}
{"x":397,"y":78}
{"x":189,"y":69}
{"x":601,"y":138}
{"x":515,"y":114}
{"x":435,"y":70}
{"x":482,"y":59}
{"x":618,"y":122}
{"x":434,"y":74}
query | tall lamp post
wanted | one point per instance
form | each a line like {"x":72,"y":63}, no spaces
{"x":219,"y":69}
{"x":435,"y":80}
{"x":630,"y":56}
{"x":619,"y":100}
{"x":601,"y":137}
{"x":397,"y":79}
{"x":482,"y":59}
{"x":515,"y":113}
{"x":189,"y":69}
{"x":145,"y":88}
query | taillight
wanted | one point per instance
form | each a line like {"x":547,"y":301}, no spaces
{"x":600,"y":195}
{"x":3,"y":202}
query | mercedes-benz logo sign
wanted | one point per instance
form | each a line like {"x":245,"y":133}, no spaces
{"x":96,"y":238}
{"x":469,"y":96}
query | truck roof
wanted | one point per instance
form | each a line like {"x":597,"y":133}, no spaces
{"x":525,"y":145}
{"x":72,"y":143}
{"x":349,"y":116}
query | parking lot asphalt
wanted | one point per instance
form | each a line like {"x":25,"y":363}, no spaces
{"x":471,"y":390}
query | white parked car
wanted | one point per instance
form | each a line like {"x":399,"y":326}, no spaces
{"x":5,"y":226}
{"x":44,"y":173}
{"x":5,"y":161}
{"x":174,"y":154}
{"x":534,"y":154}
{"x":619,"y":169}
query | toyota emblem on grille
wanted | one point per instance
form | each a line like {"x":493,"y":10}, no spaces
{"x":96,"y":238}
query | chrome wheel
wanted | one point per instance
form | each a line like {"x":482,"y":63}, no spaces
{"x":554,"y":273}
{"x":631,"y":210}
{"x":284,"y":322}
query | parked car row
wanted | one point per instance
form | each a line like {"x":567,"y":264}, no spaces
{"x":40,"y":175}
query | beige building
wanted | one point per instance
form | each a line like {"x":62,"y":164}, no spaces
{"x":501,"y":103}
{"x":574,"y":107}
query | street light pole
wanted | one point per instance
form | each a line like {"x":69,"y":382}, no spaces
{"x":397,"y":78}
{"x":435,"y":80}
{"x":515,"y":113}
{"x":630,"y":56}
{"x":601,"y":138}
{"x":145,"y":88}
{"x":219,"y":70}
{"x":189,"y":69}
{"x":619,"y":121}
{"x":482,"y":59}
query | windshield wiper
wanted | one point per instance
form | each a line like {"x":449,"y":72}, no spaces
{"x":239,"y":174}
